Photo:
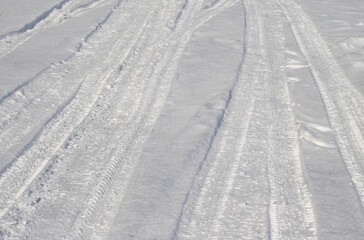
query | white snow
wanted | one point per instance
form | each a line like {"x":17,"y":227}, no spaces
{"x":179,"y":119}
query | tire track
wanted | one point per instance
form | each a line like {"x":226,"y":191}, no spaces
{"x":100,"y":207}
{"x":69,"y":12}
{"x":58,"y":14}
{"x":202,"y":215}
{"x":55,"y":133}
{"x":247,"y":186}
{"x":10,"y":41}
{"x":119,"y":182}
{"x":208,"y":13}
{"x":41,"y":17}
{"x":147,"y":75}
{"x":291,"y":213}
{"x":343,"y":103}
{"x":39,"y":100}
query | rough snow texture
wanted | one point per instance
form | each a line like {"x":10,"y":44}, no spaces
{"x":179,"y":119}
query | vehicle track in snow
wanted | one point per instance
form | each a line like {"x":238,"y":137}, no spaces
{"x":107,"y":207}
{"x":58,"y":14}
{"x":141,"y":79}
{"x":98,"y":107}
{"x":52,"y":17}
{"x":212,"y":10}
{"x":78,"y":100}
{"x":291,"y":212}
{"x":250,"y":184}
{"x":38,"y":100}
{"x":344,"y":105}
{"x":56,"y":131}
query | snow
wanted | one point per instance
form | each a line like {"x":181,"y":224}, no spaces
{"x":342,"y":24}
{"x":206,"y":119}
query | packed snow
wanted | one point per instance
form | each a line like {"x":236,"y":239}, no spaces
{"x":180,"y":119}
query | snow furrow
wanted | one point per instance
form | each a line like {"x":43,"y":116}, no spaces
{"x":57,"y":15}
{"x":54,"y":16}
{"x":274,"y":203}
{"x":55,"y":133}
{"x":203,"y":213}
{"x":48,"y":91}
{"x":344,"y":105}
{"x":144,"y":81}
{"x":291,"y":213}
{"x":39,"y":19}
{"x":259,"y":137}
{"x":117,"y":183}
{"x":109,"y":191}
{"x":208,"y":13}
{"x":78,"y":10}
{"x":22,"y":38}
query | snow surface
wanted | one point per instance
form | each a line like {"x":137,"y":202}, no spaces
{"x":178,"y":119}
